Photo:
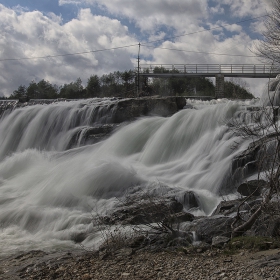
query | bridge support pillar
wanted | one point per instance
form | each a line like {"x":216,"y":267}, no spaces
{"x":220,"y":86}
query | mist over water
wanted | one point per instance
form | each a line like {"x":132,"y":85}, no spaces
{"x":48,"y":192}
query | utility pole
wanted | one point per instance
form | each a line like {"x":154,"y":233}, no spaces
{"x":138,"y":71}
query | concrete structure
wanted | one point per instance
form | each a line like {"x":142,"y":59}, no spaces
{"x":219,"y":71}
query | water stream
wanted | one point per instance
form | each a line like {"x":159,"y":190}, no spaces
{"x":48,"y":192}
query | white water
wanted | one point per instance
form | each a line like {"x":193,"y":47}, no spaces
{"x":48,"y":195}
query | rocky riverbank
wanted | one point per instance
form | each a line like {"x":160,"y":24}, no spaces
{"x":212,"y":264}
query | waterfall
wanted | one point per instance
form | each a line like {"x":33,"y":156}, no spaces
{"x":48,"y":191}
{"x":271,"y":93}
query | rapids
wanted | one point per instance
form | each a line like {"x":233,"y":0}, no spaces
{"x":48,"y":194}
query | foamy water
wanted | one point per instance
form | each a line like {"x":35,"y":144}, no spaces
{"x":48,"y":194}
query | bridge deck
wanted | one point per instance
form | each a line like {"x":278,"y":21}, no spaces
{"x":209,"y":70}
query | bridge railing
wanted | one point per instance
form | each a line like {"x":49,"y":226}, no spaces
{"x":209,"y":68}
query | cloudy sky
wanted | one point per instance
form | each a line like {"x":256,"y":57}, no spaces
{"x":107,"y":32}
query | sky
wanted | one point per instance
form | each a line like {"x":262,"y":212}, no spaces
{"x":36,"y":37}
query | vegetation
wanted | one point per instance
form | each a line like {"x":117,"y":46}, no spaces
{"x":236,"y":91}
{"x":269,"y":48}
{"x":124,"y":84}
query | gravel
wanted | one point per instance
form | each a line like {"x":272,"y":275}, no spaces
{"x":127,"y":264}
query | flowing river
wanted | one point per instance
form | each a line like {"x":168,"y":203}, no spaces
{"x":49,"y":193}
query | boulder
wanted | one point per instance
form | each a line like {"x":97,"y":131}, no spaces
{"x":180,"y":218}
{"x":175,"y":206}
{"x":219,"y":241}
{"x":227,"y":208}
{"x":208,"y":227}
{"x":130,"y":109}
{"x":253,"y":187}
{"x":246,"y":163}
{"x":191,"y":200}
{"x":91,"y":135}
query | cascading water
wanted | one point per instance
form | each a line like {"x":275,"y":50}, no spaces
{"x":48,"y":193}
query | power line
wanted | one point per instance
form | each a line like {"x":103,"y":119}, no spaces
{"x":222,"y":54}
{"x":68,"y":54}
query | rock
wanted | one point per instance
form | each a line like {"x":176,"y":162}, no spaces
{"x":138,"y":241}
{"x":179,"y":242}
{"x":227,"y":208}
{"x":91,"y":135}
{"x":267,"y":225}
{"x":175,"y":206}
{"x":246,"y":163}
{"x":103,"y":255}
{"x":191,"y":200}
{"x":180,"y":218}
{"x":219,"y":241}
{"x":129,"y":109}
{"x":253,"y":187}
{"x":124,"y":252}
{"x":209,"y":227}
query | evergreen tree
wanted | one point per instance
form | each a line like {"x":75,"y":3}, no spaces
{"x":93,"y":88}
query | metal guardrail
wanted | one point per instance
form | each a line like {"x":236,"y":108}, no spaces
{"x":208,"y":69}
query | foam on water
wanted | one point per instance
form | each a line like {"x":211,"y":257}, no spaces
{"x":48,"y":194}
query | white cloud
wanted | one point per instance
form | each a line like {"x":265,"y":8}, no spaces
{"x":242,"y":8}
{"x":32,"y":34}
{"x":217,"y":9}
{"x":150,"y":15}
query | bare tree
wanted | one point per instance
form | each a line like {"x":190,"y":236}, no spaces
{"x":269,"y":48}
{"x":264,"y":131}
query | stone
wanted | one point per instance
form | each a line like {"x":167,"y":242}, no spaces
{"x":180,"y":217}
{"x":175,"y":206}
{"x":253,"y":187}
{"x":219,"y":241}
{"x":209,"y":227}
{"x":129,"y":109}
{"x":124,"y":252}
{"x":191,"y":200}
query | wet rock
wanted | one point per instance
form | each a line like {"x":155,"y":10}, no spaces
{"x":180,"y":218}
{"x":253,"y":187}
{"x":175,"y":206}
{"x":91,"y":135}
{"x":191,"y":200}
{"x":247,"y":162}
{"x":129,"y":109}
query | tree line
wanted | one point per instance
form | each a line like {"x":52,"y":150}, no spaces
{"x":124,"y":84}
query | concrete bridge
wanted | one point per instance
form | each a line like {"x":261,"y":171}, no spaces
{"x":219,"y":71}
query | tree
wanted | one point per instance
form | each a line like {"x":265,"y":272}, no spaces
{"x":93,"y":87}
{"x":269,"y":48}
{"x":73,"y":90}
{"x":263,"y":129}
{"x":19,"y":93}
{"x":233,"y":90}
{"x":42,"y":90}
{"x":128,"y":82}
